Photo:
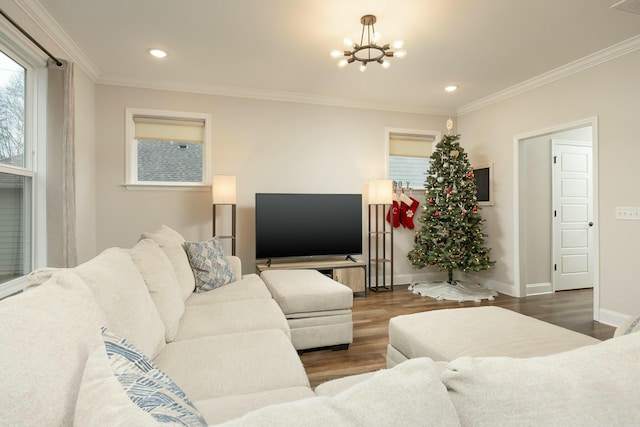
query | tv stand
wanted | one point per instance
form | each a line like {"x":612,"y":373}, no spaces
{"x":350,"y":271}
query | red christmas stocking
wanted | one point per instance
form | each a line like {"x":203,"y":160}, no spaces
{"x":393,"y":214}
{"x":409,"y":210}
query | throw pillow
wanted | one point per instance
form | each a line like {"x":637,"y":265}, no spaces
{"x":147,"y":386}
{"x":209,"y":264}
{"x":630,"y":326}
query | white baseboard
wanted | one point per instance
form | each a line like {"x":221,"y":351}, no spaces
{"x":539,"y":288}
{"x":611,"y":318}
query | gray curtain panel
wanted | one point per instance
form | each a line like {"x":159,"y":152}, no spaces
{"x":61,"y":191}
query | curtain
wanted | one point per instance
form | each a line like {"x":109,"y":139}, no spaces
{"x":60,"y":169}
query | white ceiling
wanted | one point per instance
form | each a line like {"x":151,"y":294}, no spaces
{"x":279,"y":49}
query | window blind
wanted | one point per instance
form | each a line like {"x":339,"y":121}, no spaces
{"x":161,"y":129}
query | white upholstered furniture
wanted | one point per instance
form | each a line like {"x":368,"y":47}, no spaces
{"x":237,"y":364}
{"x":317,"y":308}
{"x":476,"y":331}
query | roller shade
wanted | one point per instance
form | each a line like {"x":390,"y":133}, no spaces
{"x":155,"y":128}
{"x":410,"y":145}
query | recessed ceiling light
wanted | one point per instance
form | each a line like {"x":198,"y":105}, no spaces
{"x":158,"y":53}
{"x":451,"y":88}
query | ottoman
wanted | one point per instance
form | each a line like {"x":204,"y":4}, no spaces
{"x":476,"y":331}
{"x":317,"y":308}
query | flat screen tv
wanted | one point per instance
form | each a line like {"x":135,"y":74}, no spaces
{"x":306,"y":225}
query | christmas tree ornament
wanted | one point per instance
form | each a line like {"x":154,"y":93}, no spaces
{"x":440,"y":180}
{"x":436,"y":213}
{"x":454,"y":153}
{"x":470,"y":175}
{"x":431,"y":201}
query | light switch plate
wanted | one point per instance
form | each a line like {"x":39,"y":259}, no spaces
{"x":628,"y":213}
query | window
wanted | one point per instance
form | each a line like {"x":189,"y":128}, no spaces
{"x":17,"y":172}
{"x":409,"y":157}
{"x":167,"y":148}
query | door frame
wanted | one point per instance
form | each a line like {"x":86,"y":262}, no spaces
{"x":519,"y":281}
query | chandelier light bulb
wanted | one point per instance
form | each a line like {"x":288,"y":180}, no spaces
{"x":336,"y":53}
{"x":386,"y":64}
{"x":348,"y":42}
{"x":377,"y":37}
{"x":363,"y":67}
{"x":400,"y":54}
{"x":398,"y":44}
{"x":451,"y":88}
{"x":342,"y":63}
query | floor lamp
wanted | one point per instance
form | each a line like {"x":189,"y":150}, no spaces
{"x":223,"y":192}
{"x":380,"y":235}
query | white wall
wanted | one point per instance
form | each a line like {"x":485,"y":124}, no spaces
{"x":611,"y":92}
{"x":270,"y":146}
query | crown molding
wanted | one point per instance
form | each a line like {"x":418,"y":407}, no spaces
{"x":269,"y":95}
{"x":55,"y":32}
{"x":627,"y":46}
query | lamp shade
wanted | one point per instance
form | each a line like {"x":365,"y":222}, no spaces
{"x":381,"y":192}
{"x":223,"y":189}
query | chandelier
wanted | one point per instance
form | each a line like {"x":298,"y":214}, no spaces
{"x":368,"y":50}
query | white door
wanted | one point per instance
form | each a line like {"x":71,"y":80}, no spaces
{"x":572,"y":177}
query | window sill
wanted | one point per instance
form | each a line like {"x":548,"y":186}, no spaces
{"x":12,"y":287}
{"x":168,"y":187}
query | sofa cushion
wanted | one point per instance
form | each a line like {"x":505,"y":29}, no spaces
{"x":209,"y":264}
{"x":408,"y":395}
{"x":229,"y":364}
{"x":172,"y":243}
{"x":162,"y":283}
{"x":591,"y":385}
{"x":46,"y":336}
{"x":232,"y":317}
{"x":122,"y":295}
{"x":225,"y":408}
{"x":249,"y":287}
{"x":146,"y":385}
{"x":629,"y":326}
{"x":304,"y":291}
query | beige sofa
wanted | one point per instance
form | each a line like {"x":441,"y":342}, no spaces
{"x":225,"y":356}
{"x":228,"y":349}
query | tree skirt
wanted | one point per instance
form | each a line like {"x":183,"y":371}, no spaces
{"x":462,"y":291}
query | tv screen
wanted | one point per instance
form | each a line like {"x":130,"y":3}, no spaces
{"x":303,"y":225}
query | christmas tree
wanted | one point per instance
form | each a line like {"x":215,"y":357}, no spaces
{"x":451,"y":236}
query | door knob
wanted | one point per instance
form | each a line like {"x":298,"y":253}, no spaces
{"x":590,"y":224}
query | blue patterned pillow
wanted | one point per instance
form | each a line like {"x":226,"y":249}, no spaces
{"x":629,"y":326}
{"x":147,"y":386}
{"x":209,"y":264}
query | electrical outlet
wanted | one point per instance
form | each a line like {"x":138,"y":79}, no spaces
{"x":628,"y":213}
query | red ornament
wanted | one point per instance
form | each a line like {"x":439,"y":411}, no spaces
{"x":436,"y":213}
{"x":431,"y":201}
{"x":470,"y":174}
{"x":475,"y":209}
{"x":448,"y":191}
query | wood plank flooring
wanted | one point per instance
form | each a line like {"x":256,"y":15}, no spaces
{"x":371,"y":314}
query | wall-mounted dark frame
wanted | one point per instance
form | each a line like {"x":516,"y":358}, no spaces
{"x":483,"y":175}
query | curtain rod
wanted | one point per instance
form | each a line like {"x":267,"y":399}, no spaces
{"x":34,"y":41}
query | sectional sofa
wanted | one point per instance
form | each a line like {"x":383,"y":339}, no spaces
{"x":123,"y":340}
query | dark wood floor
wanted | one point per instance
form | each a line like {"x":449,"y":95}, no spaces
{"x":371,"y":314}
